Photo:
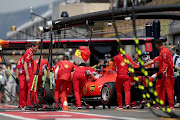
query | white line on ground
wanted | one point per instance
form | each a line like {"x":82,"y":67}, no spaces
{"x":80,"y":119}
{"x":125,"y":118}
{"x":12,"y":110}
{"x":34,"y":112}
{"x":17,"y":117}
{"x":56,"y":115}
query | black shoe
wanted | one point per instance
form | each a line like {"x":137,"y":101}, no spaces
{"x":57,"y":108}
{"x":142,"y":105}
{"x":127,"y":107}
{"x":29,"y":108}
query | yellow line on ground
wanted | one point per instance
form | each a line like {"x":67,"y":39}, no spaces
{"x":175,"y":110}
{"x":122,"y":109}
{"x":127,"y":110}
{"x":79,"y":110}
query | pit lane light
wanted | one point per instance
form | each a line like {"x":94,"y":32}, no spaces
{"x":50,"y":24}
{"x":42,"y":30}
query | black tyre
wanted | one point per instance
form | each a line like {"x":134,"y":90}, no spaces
{"x":49,"y":94}
{"x":108,"y":94}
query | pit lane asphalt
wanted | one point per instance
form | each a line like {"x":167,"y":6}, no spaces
{"x":124,"y":114}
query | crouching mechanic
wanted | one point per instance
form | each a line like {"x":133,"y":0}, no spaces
{"x":42,"y":69}
{"x":80,"y":77}
{"x":123,"y":79}
{"x":62,"y":73}
{"x":165,"y":81}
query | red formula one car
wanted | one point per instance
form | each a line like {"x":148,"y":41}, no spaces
{"x":103,"y":90}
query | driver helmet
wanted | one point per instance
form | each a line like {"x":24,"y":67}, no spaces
{"x":107,"y":56}
{"x":145,"y":56}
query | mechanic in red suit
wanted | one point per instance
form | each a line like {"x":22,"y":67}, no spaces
{"x":62,"y":73}
{"x":165,"y":81}
{"x":80,"y":77}
{"x":123,"y":79}
{"x":28,"y":68}
{"x":22,"y":83}
{"x":43,"y":66}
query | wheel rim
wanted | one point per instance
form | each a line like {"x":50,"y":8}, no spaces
{"x":105,"y":93}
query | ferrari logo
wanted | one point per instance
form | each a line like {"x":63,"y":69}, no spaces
{"x":66,"y":66}
{"x":78,"y":53}
{"x":92,"y":88}
{"x":122,"y":63}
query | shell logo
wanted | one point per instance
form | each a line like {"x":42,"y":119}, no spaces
{"x":122,"y":63}
{"x":66,"y":66}
{"x":92,"y":88}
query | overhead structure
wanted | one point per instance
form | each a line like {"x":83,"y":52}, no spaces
{"x":142,"y":12}
{"x":74,"y":43}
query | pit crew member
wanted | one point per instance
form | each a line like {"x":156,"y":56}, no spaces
{"x":62,"y":73}
{"x":123,"y":79}
{"x":28,"y":68}
{"x":165,"y":81}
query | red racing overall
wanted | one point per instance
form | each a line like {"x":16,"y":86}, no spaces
{"x":62,"y":78}
{"x":23,"y":88}
{"x":79,"y":80}
{"x":166,"y":83}
{"x":28,"y":57}
{"x":122,"y":79}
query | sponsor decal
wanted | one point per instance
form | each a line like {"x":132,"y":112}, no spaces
{"x":78,"y":53}
{"x":84,"y":89}
{"x":92,"y":88}
{"x":122,"y":63}
{"x":164,"y":56}
{"x":66,"y":66}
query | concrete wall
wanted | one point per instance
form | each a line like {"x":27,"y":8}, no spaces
{"x":82,"y":8}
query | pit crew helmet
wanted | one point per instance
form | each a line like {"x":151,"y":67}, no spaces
{"x":145,"y":56}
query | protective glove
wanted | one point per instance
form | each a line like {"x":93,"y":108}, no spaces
{"x":88,"y":72}
{"x":159,"y":75}
{"x":17,"y":81}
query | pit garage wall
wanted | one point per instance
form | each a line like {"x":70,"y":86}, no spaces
{"x":174,"y":32}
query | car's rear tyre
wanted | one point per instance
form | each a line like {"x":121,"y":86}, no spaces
{"x":108,"y":94}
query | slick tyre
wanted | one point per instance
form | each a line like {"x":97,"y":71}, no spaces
{"x":108,"y":93}
{"x":49,"y":94}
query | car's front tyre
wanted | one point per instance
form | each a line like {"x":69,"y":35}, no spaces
{"x":108,"y":94}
